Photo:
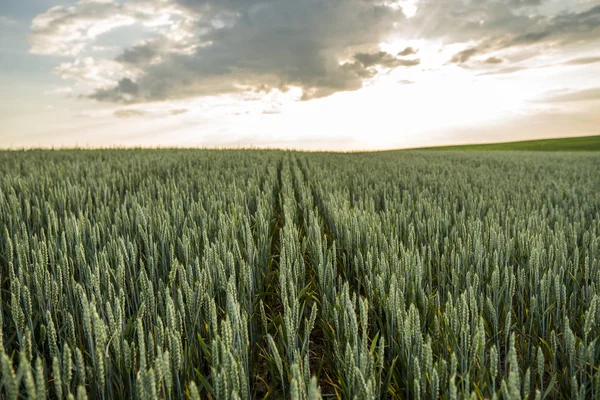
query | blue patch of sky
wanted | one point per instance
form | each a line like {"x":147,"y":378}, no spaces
{"x":18,"y":65}
{"x":118,"y":39}
{"x":15,"y":60}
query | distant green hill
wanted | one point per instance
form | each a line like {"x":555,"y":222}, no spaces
{"x":586,"y":143}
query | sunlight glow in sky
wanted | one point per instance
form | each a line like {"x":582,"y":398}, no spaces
{"x":306,"y":74}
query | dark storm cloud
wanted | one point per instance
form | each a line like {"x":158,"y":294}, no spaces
{"x":274,"y":44}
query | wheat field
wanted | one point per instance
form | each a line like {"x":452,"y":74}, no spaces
{"x":144,"y":274}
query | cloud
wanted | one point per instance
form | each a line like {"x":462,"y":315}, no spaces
{"x":317,"y":80}
{"x":516,"y":68}
{"x":155,"y":111}
{"x":271,"y":111}
{"x":178,"y":111}
{"x":407,"y":52}
{"x":524,"y":3}
{"x":128,"y":113}
{"x":492,"y":26}
{"x":95,"y":73}
{"x":563,"y":29}
{"x":383,"y":59}
{"x":504,"y":71}
{"x":573,"y":96}
{"x":464,"y":56}
{"x":125,"y":92}
{"x":67,"y":30}
{"x":529,"y":38}
{"x":583,"y":61}
{"x":493,"y":60}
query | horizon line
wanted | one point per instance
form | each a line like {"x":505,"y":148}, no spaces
{"x":268,"y":148}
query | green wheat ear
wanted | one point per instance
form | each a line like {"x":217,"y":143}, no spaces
{"x":56,"y":373}
{"x":194,"y":394}
{"x":40,"y":379}
{"x":81,"y":393}
{"x":25,"y":370}
{"x":9,"y":379}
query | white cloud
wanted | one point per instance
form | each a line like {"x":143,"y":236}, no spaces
{"x":70,"y":31}
{"x":67,"y":31}
{"x":94,"y":74}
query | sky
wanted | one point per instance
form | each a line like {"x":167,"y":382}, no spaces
{"x":304,"y":74}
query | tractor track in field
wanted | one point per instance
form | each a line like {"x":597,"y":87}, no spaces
{"x":319,"y":355}
{"x":261,"y":376}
